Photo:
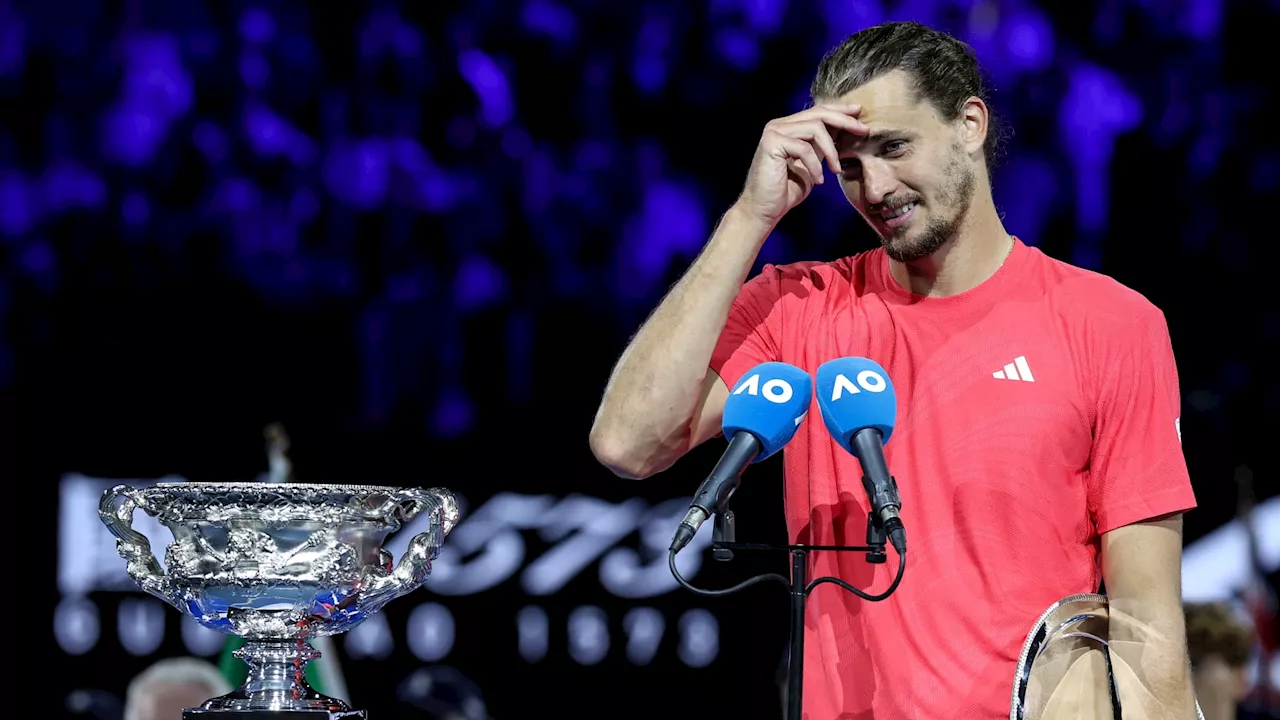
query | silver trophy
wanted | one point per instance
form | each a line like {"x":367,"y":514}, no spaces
{"x":278,"y":564}
{"x":1065,"y":670}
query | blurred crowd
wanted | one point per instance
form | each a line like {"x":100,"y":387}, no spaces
{"x":465,"y":166}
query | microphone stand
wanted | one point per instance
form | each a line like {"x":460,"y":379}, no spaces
{"x":724,"y":544}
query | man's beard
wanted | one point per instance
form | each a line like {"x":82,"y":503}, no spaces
{"x":956,"y":195}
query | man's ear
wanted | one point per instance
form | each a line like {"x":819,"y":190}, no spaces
{"x":974,"y":118}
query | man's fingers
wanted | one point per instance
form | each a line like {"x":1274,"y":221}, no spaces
{"x":841,"y":121}
{"x":794,"y":148}
{"x":823,"y":126}
{"x":826,"y":144}
{"x":815,"y":132}
{"x":846,"y":109}
{"x":801,"y":173}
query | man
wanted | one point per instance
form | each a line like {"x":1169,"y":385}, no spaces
{"x":1220,"y":645}
{"x":1037,"y":448}
{"x":164,"y":690}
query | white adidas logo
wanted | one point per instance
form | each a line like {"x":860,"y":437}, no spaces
{"x":1016,"y":370}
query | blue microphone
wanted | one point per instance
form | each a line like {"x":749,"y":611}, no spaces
{"x":859,"y":409}
{"x":761,"y":415}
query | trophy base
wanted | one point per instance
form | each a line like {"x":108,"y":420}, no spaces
{"x":275,"y":689}
{"x":197,"y":714}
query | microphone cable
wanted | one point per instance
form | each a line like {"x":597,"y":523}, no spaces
{"x":675,"y":572}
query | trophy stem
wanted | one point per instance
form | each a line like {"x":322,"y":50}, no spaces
{"x":277,"y":670}
{"x":276,"y":682}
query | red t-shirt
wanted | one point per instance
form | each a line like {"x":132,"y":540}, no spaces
{"x":1035,"y":412}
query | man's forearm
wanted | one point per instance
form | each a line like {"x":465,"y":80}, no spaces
{"x":643,"y":420}
{"x":1149,"y":661}
{"x":1141,"y":566}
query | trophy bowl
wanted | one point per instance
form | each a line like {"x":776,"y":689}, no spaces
{"x":278,"y":564}
{"x":1064,"y":670}
{"x":1067,"y":668}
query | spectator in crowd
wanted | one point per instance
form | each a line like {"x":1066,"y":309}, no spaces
{"x":1219,"y":644}
{"x":164,"y":690}
{"x":443,"y":693}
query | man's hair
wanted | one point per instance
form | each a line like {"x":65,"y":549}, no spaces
{"x":943,"y":70}
{"x":1213,"y":629}
{"x":173,"y":671}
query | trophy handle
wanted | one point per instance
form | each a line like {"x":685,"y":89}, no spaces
{"x":132,"y":545}
{"x":415,"y":565}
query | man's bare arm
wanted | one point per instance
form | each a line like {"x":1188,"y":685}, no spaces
{"x":1142,"y":570}
{"x":662,"y":400}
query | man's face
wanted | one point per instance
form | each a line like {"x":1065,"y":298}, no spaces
{"x":166,"y":702}
{"x":911,"y":178}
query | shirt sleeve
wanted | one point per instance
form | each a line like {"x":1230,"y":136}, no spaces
{"x":751,"y":333}
{"x":1137,"y":469}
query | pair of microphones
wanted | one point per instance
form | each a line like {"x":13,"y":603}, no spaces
{"x":766,"y":407}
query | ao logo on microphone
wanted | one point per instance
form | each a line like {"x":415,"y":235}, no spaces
{"x":868,"y":380}
{"x":775,"y":390}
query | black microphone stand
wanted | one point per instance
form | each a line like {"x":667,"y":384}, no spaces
{"x":724,"y":544}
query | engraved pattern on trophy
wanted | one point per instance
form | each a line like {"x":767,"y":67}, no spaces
{"x":278,"y":564}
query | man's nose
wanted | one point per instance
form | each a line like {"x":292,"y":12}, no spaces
{"x":877,"y":182}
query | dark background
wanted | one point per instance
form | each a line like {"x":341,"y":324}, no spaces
{"x":418,"y":234}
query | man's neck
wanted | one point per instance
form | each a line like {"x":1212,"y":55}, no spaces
{"x":978,"y":249}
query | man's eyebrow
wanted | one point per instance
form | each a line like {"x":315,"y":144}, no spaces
{"x":875,"y":138}
{"x":882,"y":135}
